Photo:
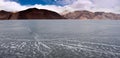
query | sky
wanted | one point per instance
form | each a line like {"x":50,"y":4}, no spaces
{"x":62,"y":5}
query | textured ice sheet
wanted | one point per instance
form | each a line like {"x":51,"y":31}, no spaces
{"x":57,"y":49}
{"x":59,"y":39}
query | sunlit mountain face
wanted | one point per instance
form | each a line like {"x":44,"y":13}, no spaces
{"x":45,"y":2}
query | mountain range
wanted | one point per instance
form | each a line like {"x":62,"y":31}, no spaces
{"x":91,"y":15}
{"x":34,"y":13}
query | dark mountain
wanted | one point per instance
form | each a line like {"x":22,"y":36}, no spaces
{"x":91,"y":15}
{"x":5,"y":15}
{"x":32,"y":13}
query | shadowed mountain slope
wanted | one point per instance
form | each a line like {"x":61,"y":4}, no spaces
{"x":32,"y":13}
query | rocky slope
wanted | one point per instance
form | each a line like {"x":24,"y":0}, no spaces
{"x":5,"y":15}
{"x":91,"y":15}
{"x":32,"y":13}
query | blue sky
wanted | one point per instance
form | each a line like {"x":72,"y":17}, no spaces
{"x":97,"y":3}
{"x":62,"y":5}
{"x":33,"y":2}
{"x":43,"y":2}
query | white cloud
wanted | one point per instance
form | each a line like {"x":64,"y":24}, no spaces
{"x":107,"y":3}
{"x":11,"y":6}
{"x":81,"y":5}
{"x":14,"y":6}
{"x":92,"y":5}
{"x":96,"y":5}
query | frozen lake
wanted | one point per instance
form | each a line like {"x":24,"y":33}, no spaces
{"x":60,"y":39}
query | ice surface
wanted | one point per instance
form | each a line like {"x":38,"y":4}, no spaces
{"x":59,"y":39}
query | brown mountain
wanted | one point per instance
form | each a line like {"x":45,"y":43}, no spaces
{"x":5,"y":15}
{"x":32,"y":13}
{"x":91,"y":15}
